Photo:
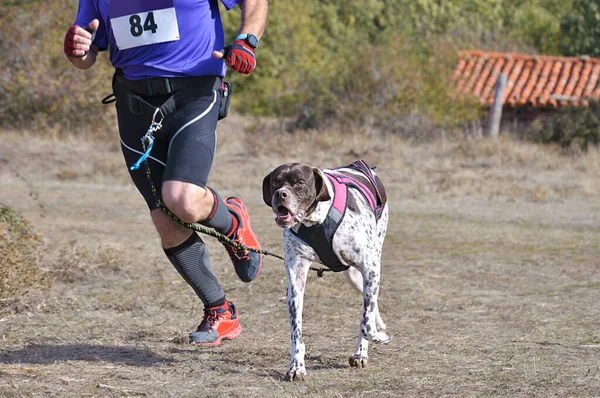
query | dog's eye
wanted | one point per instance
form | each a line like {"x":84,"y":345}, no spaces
{"x":276,"y":185}
{"x":300,"y":184}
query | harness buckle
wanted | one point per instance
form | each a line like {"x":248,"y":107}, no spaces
{"x":155,"y":125}
{"x":158,"y":86}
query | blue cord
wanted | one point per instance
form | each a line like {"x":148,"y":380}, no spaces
{"x":144,"y":156}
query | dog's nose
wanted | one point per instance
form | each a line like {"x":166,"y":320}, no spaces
{"x":281,"y":194}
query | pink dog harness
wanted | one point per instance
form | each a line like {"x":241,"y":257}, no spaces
{"x":320,"y":237}
{"x":370,"y":192}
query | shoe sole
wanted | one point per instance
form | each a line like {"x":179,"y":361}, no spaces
{"x":230,"y":335}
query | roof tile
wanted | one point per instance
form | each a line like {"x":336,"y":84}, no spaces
{"x":536,"y":80}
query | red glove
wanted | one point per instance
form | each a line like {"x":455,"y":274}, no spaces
{"x":240,"y":57}
{"x":77,"y":48}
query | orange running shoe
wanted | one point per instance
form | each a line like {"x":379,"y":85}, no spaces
{"x":247,"y":264}
{"x":219,"y":323}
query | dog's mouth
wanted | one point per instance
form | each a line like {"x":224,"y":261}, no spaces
{"x":285,"y":217}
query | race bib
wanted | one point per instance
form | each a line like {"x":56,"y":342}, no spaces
{"x":138,"y":23}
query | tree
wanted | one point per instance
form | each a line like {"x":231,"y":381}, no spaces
{"x":580,"y":29}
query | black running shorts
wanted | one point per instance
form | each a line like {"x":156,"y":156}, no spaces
{"x":183,"y":148}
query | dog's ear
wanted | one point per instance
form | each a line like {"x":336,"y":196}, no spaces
{"x":320,"y":186}
{"x":267,"y":195}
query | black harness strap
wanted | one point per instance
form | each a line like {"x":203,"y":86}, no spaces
{"x":176,"y":88}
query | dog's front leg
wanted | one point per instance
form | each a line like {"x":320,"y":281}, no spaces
{"x":297,"y":265}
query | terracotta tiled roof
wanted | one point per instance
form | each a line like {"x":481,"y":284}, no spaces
{"x":535,"y":80}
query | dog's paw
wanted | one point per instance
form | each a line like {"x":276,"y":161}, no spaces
{"x":381,"y":338}
{"x":296,"y":373}
{"x":380,"y":325}
{"x":377,"y":337}
{"x":357,"y":361}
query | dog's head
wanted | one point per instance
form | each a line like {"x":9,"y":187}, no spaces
{"x":293,"y":190}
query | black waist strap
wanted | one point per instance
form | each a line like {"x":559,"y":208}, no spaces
{"x":169,"y":85}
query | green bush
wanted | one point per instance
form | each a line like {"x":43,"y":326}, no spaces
{"x":573,"y":127}
{"x":580,"y":28}
{"x":39,"y":89}
{"x":351,"y":63}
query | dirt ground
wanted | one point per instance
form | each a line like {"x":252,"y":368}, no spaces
{"x":490,"y":280}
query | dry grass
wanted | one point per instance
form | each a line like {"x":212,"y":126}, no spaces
{"x":490,"y":276}
{"x":506,"y":168}
{"x":20,"y":252}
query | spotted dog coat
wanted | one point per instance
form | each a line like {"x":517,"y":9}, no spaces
{"x":302,"y":197}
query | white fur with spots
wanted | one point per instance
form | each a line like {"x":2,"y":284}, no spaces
{"x":358,"y":242}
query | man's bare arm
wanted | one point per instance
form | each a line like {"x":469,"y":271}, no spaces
{"x":254,"y":16}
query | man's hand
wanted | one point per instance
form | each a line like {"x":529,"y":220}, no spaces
{"x":78,"y":40}
{"x":239,"y":56}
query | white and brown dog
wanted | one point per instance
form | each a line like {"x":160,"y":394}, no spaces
{"x":338,"y":217}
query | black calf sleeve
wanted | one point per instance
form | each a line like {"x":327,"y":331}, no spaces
{"x":192,"y":261}
{"x":220,"y":218}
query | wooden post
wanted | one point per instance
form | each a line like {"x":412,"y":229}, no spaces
{"x":496,"y":111}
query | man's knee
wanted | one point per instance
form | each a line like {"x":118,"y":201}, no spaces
{"x":171,"y":233}
{"x":163,"y":223}
{"x":189,"y":202}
